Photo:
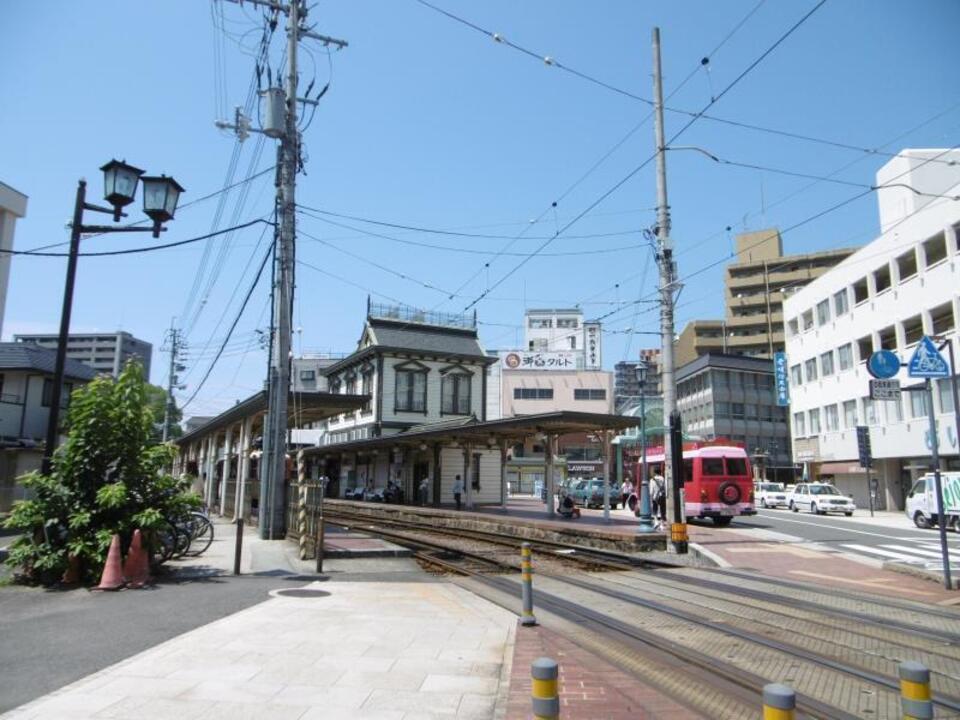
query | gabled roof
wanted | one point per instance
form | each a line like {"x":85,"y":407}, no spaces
{"x":30,"y":357}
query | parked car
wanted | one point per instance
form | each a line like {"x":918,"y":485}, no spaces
{"x":921,"y":504}
{"x":821,"y":498}
{"x":589,"y":493}
{"x":769,"y":495}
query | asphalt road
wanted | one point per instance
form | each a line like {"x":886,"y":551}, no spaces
{"x":842,"y":533}
{"x":52,"y":638}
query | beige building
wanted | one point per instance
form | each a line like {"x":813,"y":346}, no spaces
{"x":13,"y":205}
{"x":754,"y":290}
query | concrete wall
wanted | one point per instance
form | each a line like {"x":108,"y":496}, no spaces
{"x":563,"y":383}
{"x":14,"y":462}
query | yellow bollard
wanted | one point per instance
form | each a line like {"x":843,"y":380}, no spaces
{"x":546,"y":699}
{"x":526,"y":584}
{"x":915,"y":691}
{"x":779,"y":702}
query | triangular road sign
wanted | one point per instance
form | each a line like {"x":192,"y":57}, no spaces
{"x":927,"y":362}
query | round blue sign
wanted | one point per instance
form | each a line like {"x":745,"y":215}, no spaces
{"x":883,"y":364}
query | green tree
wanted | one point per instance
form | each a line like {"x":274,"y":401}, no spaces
{"x":108,"y":477}
{"x":157,"y":402}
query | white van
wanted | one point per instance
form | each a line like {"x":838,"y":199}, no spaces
{"x":921,"y":504}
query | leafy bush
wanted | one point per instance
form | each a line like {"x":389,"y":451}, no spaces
{"x":106,"y":478}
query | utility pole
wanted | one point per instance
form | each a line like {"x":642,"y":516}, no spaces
{"x":174,"y":345}
{"x":273,"y":462}
{"x":667,"y":285}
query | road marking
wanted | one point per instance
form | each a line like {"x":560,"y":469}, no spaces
{"x":873,"y":583}
{"x":778,"y":549}
{"x":881,"y":551}
{"x":917,"y":550}
{"x":828,"y":526}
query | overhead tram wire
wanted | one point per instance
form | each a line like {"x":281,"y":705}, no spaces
{"x":553,"y":62}
{"x":233,"y":326}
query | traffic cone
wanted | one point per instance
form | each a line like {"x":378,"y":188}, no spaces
{"x":112,"y":577}
{"x":136,"y":569}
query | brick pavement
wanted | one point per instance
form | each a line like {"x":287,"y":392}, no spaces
{"x":590,"y":687}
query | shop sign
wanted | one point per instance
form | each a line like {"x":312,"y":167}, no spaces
{"x":524,"y":360}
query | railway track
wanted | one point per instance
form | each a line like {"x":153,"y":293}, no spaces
{"x":712,"y":639}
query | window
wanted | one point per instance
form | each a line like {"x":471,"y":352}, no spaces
{"x":870,"y":412}
{"x":881,"y":279}
{"x":455,"y":394}
{"x":366,"y":388}
{"x":826,"y":364}
{"x":540,"y":323}
{"x":46,"y":396}
{"x":799,"y":427}
{"x":864,"y":348}
{"x":308,"y":375}
{"x":533,"y":393}
{"x":941,"y":317}
{"x":918,"y":404}
{"x":850,"y":414}
{"x":841,"y":304}
{"x":711,"y":466}
{"x":823,"y":312}
{"x":935,"y":249}
{"x":589,"y":394}
{"x":411,"y":391}
{"x":567,"y":323}
{"x":723,"y":410}
{"x":810,"y":369}
{"x":573,"y":342}
{"x":793,"y":326}
{"x":814,"y":416}
{"x":888,"y":338}
{"x":737,"y":466}
{"x":945,"y":392}
{"x":912,"y":330}
{"x":894,"y":410}
{"x":737,"y":411}
{"x":831,"y":418}
{"x":796,"y":376}
{"x":845,"y":357}
{"x":907,"y":265}
{"x":860,"y":291}
{"x":807,"y":320}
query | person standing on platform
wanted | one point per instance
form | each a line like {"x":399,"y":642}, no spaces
{"x":659,"y":496}
{"x":626,"y":489}
{"x":458,"y":490}
{"x":424,"y":491}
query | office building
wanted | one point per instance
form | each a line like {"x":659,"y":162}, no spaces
{"x":903,"y":285}
{"x":104,"y":352}
{"x":754,"y":289}
{"x":564,"y":331}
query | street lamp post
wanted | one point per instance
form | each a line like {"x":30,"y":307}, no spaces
{"x":160,"y":197}
{"x":646,"y":517}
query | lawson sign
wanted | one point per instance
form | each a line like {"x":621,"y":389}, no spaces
{"x":780,"y":378}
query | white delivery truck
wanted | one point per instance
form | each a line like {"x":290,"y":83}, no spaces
{"x":921,"y":505}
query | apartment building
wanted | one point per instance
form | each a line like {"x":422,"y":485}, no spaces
{"x":754,"y":289}
{"x":104,"y":352}
{"x":889,"y":294}
{"x":13,"y":206}
{"x":564,"y":331}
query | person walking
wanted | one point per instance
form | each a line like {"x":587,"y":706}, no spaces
{"x":457,"y":490}
{"x":659,"y":493}
{"x":626,"y":489}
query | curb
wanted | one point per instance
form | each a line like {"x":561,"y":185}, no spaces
{"x":708,"y":557}
{"x":920,"y":572}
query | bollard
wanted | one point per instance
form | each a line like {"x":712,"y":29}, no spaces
{"x":915,"y":691}
{"x":679,"y":537}
{"x":544,"y":695}
{"x":526,"y":583}
{"x":779,"y":702}
{"x":238,"y":547}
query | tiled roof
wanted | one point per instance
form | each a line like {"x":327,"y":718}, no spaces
{"x":426,"y":338}
{"x":27,"y":356}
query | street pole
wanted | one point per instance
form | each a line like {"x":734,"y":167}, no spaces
{"x":171,"y":379}
{"x":938,"y":485}
{"x":665,"y":262}
{"x":53,"y":418}
{"x":646,"y":516}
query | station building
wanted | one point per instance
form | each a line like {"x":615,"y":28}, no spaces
{"x":890,"y":293}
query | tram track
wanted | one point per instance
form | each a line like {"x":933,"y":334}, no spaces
{"x":869,"y":691}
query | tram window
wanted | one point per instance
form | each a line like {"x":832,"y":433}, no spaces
{"x":711,"y":466}
{"x":736,"y":466}
{"x":688,"y":470}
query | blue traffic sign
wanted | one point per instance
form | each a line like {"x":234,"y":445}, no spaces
{"x":883,"y":364}
{"x":927,"y":362}
{"x":780,"y":378}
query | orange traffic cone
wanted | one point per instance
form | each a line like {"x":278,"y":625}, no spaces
{"x":112,"y":578}
{"x":136,"y":569}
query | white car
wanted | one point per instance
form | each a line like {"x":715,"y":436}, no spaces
{"x":820,"y":498}
{"x":770,"y":495}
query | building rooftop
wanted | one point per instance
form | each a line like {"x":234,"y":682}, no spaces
{"x":554,"y":311}
{"x":27,"y":356}
{"x":725,"y":362}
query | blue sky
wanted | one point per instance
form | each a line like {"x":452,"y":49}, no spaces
{"x":431,"y":124}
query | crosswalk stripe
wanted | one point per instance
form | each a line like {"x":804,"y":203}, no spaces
{"x":881,"y":552}
{"x":918,"y":550}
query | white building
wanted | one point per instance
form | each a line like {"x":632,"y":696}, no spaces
{"x":13,"y":205}
{"x":566,"y":331}
{"x":104,"y":352}
{"x":903,"y":285}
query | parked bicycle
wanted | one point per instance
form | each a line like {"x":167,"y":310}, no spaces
{"x":189,"y":535}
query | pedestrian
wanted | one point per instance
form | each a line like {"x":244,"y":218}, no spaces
{"x":659,"y":493}
{"x":626,"y":489}
{"x":457,"y":490}
{"x":424,"y":491}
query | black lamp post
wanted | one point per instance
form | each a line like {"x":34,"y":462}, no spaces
{"x":160,"y":196}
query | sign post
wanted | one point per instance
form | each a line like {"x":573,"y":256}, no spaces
{"x":780,"y":378}
{"x":866,"y":456}
{"x":927,"y":363}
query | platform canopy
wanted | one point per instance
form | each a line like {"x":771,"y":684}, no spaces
{"x":489,"y":433}
{"x":302,"y":408}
